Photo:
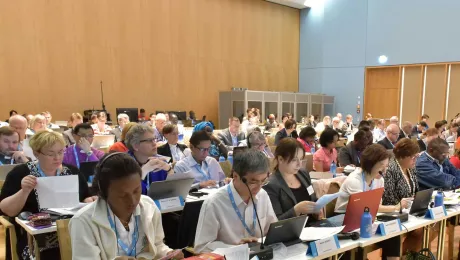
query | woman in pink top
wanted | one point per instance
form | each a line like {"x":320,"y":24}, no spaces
{"x":307,"y":138}
{"x":323,"y":158}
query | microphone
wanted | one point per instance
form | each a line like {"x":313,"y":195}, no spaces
{"x":400,"y":208}
{"x":350,"y":235}
{"x":255,"y":210}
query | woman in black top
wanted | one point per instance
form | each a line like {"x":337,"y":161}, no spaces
{"x":19,"y":194}
{"x":287,"y":131}
{"x":290,"y":189}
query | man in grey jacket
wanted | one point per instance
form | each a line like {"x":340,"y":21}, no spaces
{"x":351,"y":154}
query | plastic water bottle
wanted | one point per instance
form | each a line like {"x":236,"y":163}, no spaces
{"x":439,"y":199}
{"x":221,"y":158}
{"x":230,"y":157}
{"x":334,"y":169}
{"x":366,"y":224}
{"x":312,"y":150}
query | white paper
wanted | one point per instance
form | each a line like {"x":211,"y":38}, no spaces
{"x":317,"y":233}
{"x":58,"y":191}
{"x":169,"y":203}
{"x":325,"y":199}
{"x":234,"y":253}
{"x":180,"y":176}
{"x":325,"y":245}
{"x":391,"y":226}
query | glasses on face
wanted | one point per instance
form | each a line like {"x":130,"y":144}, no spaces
{"x":86,"y":136}
{"x":203,"y":150}
{"x":258,"y":183}
{"x":54,"y":155}
{"x":148,"y":140}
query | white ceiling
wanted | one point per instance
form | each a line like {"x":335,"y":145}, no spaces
{"x":299,"y":4}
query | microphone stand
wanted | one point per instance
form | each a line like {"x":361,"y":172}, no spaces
{"x":102,"y":96}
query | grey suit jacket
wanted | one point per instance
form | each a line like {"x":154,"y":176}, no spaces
{"x":117,"y":132}
{"x":281,"y":196}
{"x":226,"y":138}
{"x":348,"y":155}
{"x":68,"y":137}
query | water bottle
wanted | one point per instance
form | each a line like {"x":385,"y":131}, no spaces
{"x":333,"y":169}
{"x":312,"y":150}
{"x":439,"y":199}
{"x":221,"y":158}
{"x":366,"y":224}
{"x":180,"y":128}
{"x":230,"y":157}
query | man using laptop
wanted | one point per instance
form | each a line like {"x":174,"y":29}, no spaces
{"x":434,"y":170}
{"x":205,"y":169}
{"x":228,"y":216}
{"x":82,"y":151}
{"x":9,"y":143}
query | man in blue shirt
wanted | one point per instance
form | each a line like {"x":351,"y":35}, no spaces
{"x":434,"y":170}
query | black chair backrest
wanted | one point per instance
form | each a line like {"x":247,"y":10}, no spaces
{"x":188,"y":223}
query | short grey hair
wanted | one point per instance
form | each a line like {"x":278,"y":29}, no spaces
{"x":255,"y":136}
{"x":251,"y":161}
{"x":161,"y":116}
{"x":135,"y":135}
{"x":122,"y":115}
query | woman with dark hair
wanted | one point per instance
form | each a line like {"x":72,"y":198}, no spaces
{"x":307,"y":138}
{"x":327,"y":154}
{"x":100,"y":127}
{"x":290,"y":187}
{"x":122,"y":222}
{"x":288,"y":131}
{"x":311,"y":121}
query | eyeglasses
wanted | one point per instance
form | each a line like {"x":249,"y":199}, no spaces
{"x":258,"y":183}
{"x":86,"y":136}
{"x":394,"y":133}
{"x":54,"y":155}
{"x":203,"y":150}
{"x":149,"y":140}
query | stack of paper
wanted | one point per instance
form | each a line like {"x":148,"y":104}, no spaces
{"x":58,"y":191}
{"x":234,"y":253}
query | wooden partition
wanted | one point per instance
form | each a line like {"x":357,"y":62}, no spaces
{"x":422,"y":89}
{"x":152,"y":54}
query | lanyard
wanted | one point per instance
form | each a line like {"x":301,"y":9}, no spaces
{"x":232,"y":199}
{"x":200,"y":170}
{"x":131,"y":250}
{"x":42,"y":174}
{"x":11,"y":161}
{"x":364,"y":183}
{"x":359,"y":157}
{"x":77,"y":160}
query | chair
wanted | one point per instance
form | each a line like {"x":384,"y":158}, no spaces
{"x":309,"y":159}
{"x":65,"y":245}
{"x":227,"y":168}
{"x":10,"y":232}
{"x":321,"y":175}
{"x":187,"y":224}
{"x":271,"y":140}
{"x":328,"y":186}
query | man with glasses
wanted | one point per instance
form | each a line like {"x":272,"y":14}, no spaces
{"x":228,"y":217}
{"x":204,"y":168}
{"x":142,"y":146}
{"x":82,"y":151}
{"x":391,"y":137}
{"x":434,"y":170}
{"x":231,"y":136}
{"x":256,"y":141}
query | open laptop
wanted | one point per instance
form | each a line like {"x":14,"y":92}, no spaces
{"x":103,"y":141}
{"x":88,"y":168}
{"x":286,"y":231}
{"x":170,"y":188}
{"x":355,"y":209}
{"x":5,"y":169}
{"x":421,"y":201}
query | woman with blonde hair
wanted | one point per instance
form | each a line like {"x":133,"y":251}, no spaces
{"x":37,"y":123}
{"x":74,"y":120}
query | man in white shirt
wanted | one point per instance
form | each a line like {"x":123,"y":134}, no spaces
{"x":48,"y":118}
{"x":228,"y":217}
{"x":160,"y":122}
{"x":339,"y":116}
{"x":205,"y":169}
{"x":19,"y":124}
{"x":379,"y":132}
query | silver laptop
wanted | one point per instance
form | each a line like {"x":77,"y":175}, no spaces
{"x":5,"y":169}
{"x":170,"y":188}
{"x":103,"y":141}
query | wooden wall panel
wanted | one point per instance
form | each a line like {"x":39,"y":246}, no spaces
{"x":155,"y":54}
{"x":382,"y":88}
{"x":454,"y":91}
{"x":412,"y":96}
{"x":435,"y":91}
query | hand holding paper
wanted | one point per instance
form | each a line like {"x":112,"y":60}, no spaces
{"x":58,"y":191}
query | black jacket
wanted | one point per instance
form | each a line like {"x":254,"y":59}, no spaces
{"x":386,"y":143}
{"x":281,"y":196}
{"x":165,"y":150}
{"x":283,"y":134}
{"x":421,"y":145}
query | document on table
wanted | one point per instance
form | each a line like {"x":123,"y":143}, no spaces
{"x":234,"y":253}
{"x":65,"y":211}
{"x":317,"y":233}
{"x":325,"y":199}
{"x":58,"y":191}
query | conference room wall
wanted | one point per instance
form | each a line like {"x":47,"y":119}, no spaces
{"x":152,"y":54}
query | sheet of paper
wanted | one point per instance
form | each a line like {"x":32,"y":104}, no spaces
{"x":180,"y":176}
{"x":317,"y":233}
{"x":58,"y":191}
{"x":325,"y":199}
{"x":234,"y":253}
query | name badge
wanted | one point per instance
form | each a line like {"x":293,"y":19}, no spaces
{"x":435,"y":213}
{"x":310,"y":190}
{"x":389,"y":227}
{"x":323,"y":246}
{"x":169,"y":203}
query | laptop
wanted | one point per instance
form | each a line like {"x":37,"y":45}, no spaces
{"x":421,"y":201}
{"x":88,"y":169}
{"x":355,"y":209}
{"x":5,"y":169}
{"x":170,"y":188}
{"x":286,"y":231}
{"x":103,"y":141}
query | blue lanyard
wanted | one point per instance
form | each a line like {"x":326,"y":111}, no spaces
{"x":11,"y":161}
{"x":77,"y":161}
{"x":42,"y":174}
{"x":364,"y":183}
{"x":232,"y":199}
{"x":200,"y":170}
{"x":359,"y":158}
{"x":131,"y":250}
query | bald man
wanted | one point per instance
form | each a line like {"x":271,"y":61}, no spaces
{"x":391,"y":137}
{"x":394,"y":120}
{"x":19,"y":124}
{"x":271,"y":122}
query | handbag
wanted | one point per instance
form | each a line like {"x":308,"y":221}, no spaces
{"x":424,"y":254}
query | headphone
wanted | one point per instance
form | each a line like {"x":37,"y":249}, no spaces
{"x":99,"y":170}
{"x":247,"y":139}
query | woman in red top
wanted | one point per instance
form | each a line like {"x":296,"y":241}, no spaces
{"x":120,"y":146}
{"x":307,"y":138}
{"x":323,"y":158}
{"x":455,"y":160}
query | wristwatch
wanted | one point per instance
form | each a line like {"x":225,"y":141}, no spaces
{"x":89,"y":153}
